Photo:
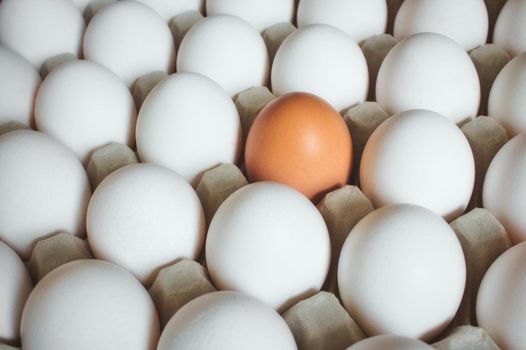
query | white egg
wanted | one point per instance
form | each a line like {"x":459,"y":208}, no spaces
{"x":464,"y":21}
{"x":429,"y":71}
{"x":505,"y":187}
{"x":89,"y":304}
{"x":361,"y":19}
{"x":85,"y":106}
{"x":144,"y":217}
{"x":226,"y":320}
{"x":226,"y":49}
{"x":40,"y":29}
{"x":510,"y":28}
{"x":419,"y":157}
{"x":322,"y":60}
{"x":44,"y":189}
{"x":189,"y":124}
{"x":83,"y":4}
{"x":268,"y":241}
{"x":170,"y":8}
{"x":19,"y":82}
{"x":506,"y":103}
{"x":131,"y":40}
{"x":402,"y":271}
{"x":259,"y":13}
{"x":501,"y":300}
{"x":391,"y":342}
{"x":15,"y":286}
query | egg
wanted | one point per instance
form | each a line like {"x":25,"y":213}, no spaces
{"x":269,"y":241}
{"x":465,"y":21}
{"x":360,"y":19}
{"x":44,"y":190}
{"x":322,"y":60}
{"x":15,"y":286}
{"x":85,"y":106}
{"x":131,"y":40}
{"x":89,"y":304}
{"x":506,"y":102}
{"x":510,"y":28}
{"x":144,"y":217}
{"x":505,"y":187}
{"x":19,"y":83}
{"x":40,"y":29}
{"x":189,"y":124}
{"x":226,"y":320}
{"x":298,"y":139}
{"x":429,"y":71}
{"x":226,"y":49}
{"x":391,"y":342}
{"x":402,"y":272}
{"x":501,"y":299}
{"x":169,"y":8}
{"x":259,"y":13}
{"x":419,"y":157}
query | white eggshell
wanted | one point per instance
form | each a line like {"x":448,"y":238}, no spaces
{"x":419,"y":157}
{"x":390,"y":342}
{"x":85,"y":106}
{"x":44,"y":189}
{"x":19,"y":82}
{"x":86,"y":305}
{"x":189,"y":124}
{"x":269,"y":241}
{"x":510,"y":28}
{"x":226,"y":320}
{"x":464,"y":21}
{"x":361,"y":19}
{"x":402,"y":271}
{"x":171,"y":8}
{"x":131,"y":40}
{"x":143,"y":217}
{"x":507,"y":103}
{"x":322,"y":60}
{"x":40,"y":29}
{"x":259,"y":13}
{"x":504,"y":190}
{"x":83,"y":4}
{"x":226,"y":49}
{"x":15,"y":286}
{"x":429,"y":71}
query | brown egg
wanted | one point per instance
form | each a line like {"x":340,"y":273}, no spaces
{"x":301,"y":141}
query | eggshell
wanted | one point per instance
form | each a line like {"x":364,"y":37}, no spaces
{"x":226,"y":320}
{"x":19,"y":82}
{"x":358,"y":18}
{"x":39,"y":29}
{"x":324,"y":61}
{"x":505,"y":187}
{"x":170,"y":8}
{"x":510,"y":28}
{"x":43,"y":187}
{"x":402,"y":272}
{"x":429,"y":71}
{"x":268,"y":241}
{"x":391,"y":342}
{"x":465,"y":21}
{"x":300,"y":140}
{"x":188,"y":124}
{"x":259,"y":13}
{"x":226,"y":49}
{"x":89,"y":304}
{"x":85,"y":106}
{"x":419,"y":157}
{"x":131,"y":40}
{"x":144,"y":217}
{"x":506,"y":102}
{"x":15,"y":286}
{"x":501,"y":299}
